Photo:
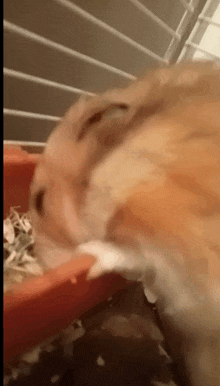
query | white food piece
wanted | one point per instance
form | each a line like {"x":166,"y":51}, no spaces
{"x":8,"y":231}
{"x":100,"y":361}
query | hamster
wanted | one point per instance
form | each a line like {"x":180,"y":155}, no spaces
{"x":133,"y":177}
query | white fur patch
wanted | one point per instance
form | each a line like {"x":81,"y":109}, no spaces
{"x":150,"y":295}
{"x":111,"y":258}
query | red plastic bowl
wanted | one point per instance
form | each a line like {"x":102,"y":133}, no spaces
{"x":42,"y":307}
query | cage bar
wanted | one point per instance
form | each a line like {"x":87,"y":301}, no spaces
{"x":59,"y":47}
{"x":27,"y":114}
{"x":73,"y":7}
{"x":45,"y":82}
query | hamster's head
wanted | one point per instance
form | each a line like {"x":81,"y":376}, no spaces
{"x":62,"y":176}
{"x":159,"y":106}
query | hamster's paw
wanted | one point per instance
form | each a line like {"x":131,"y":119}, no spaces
{"x":110,"y":258}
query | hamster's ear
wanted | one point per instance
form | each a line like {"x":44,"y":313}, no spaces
{"x":98,"y":112}
{"x":76,"y":111}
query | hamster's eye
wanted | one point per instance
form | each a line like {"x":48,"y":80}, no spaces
{"x":38,"y":201}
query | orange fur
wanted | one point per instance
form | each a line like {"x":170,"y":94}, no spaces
{"x":153,"y":178}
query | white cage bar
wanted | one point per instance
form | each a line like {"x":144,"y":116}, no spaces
{"x":175,"y":37}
